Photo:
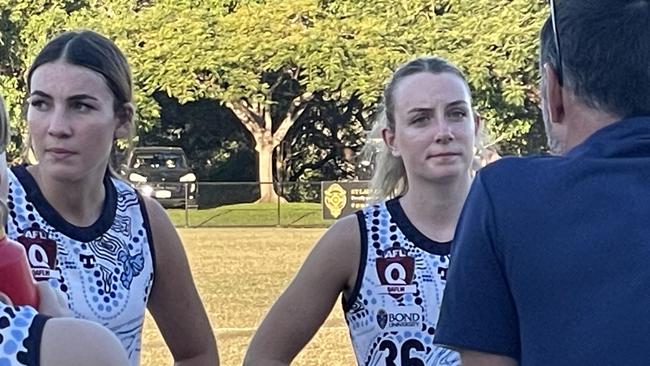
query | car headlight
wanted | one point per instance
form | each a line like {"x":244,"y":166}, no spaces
{"x":189,"y":177}
{"x":135,"y":177}
{"x":146,"y":190}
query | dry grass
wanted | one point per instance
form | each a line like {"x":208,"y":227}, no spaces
{"x":239,"y":273}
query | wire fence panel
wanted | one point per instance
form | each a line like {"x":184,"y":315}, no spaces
{"x":238,"y":204}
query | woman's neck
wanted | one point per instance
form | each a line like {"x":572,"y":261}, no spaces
{"x":434,"y":209}
{"x":78,"y":202}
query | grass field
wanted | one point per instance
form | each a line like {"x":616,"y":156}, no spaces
{"x":253,"y":214}
{"x":239,"y":273}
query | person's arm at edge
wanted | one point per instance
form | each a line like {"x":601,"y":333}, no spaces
{"x":77,"y":342}
{"x":174,"y":302}
{"x":50,"y":302}
{"x":93,"y":344}
{"x":302,"y":308}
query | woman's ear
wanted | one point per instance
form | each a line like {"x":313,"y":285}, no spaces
{"x":389,"y":139}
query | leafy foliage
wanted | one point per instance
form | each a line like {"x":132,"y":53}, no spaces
{"x":301,"y":63}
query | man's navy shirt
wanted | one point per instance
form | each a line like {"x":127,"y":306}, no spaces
{"x":551,"y":259}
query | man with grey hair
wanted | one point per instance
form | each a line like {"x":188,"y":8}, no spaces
{"x":551,"y":255}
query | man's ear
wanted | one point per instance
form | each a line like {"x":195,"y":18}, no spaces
{"x":389,"y":139}
{"x":554,"y":95}
{"x":125,"y":121}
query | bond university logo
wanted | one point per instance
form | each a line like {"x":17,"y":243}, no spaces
{"x":400,"y":317}
{"x":41,"y":252}
{"x":395,"y":271}
{"x":335,"y":199}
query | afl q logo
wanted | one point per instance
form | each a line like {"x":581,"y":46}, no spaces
{"x":38,"y":258}
{"x":396,"y":273}
{"x":335,"y":199}
{"x":41,"y":252}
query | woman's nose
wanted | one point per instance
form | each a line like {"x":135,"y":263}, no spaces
{"x":444,"y":135}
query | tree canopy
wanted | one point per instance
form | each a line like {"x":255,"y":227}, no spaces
{"x":274,"y":63}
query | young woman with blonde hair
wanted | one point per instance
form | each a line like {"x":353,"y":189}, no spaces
{"x":390,"y":259}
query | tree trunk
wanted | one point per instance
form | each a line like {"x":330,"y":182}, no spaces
{"x":257,"y":121}
{"x":264,"y":147}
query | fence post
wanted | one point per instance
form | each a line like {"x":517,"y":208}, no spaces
{"x":279,"y":200}
{"x":187,"y":213}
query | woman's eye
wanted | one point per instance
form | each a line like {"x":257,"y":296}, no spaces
{"x":458,"y":114}
{"x":38,"y":104}
{"x":81,"y":107}
{"x":417,"y":120}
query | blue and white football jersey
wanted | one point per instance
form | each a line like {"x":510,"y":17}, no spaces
{"x":105,"y":270}
{"x":394,"y":309}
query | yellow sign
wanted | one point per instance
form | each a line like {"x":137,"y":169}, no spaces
{"x":335,"y":199}
{"x":343,"y":198}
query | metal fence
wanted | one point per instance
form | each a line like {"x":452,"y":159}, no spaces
{"x":236,"y":204}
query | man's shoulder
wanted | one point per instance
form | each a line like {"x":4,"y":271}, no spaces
{"x":528,"y":165}
{"x":520,"y":174}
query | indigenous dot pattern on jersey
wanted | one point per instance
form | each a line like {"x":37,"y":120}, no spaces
{"x":20,"y":332}
{"x":105,"y":271}
{"x":393,"y":313}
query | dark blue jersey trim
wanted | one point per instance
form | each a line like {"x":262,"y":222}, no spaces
{"x":83,"y":234}
{"x":363,"y":257}
{"x":412,"y":233}
{"x":147,"y":227}
{"x":33,"y":341}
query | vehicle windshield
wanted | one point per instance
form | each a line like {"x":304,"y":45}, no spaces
{"x":159,"y":160}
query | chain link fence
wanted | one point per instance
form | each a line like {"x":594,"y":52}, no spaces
{"x":237,"y":204}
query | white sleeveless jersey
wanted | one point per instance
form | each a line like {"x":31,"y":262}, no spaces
{"x":21,"y":329}
{"x":393,"y":310}
{"x":105,"y":270}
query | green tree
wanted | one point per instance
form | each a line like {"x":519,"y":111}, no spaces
{"x":494,"y":42}
{"x":345,"y":47}
{"x":269,"y":61}
{"x":15,"y":20}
